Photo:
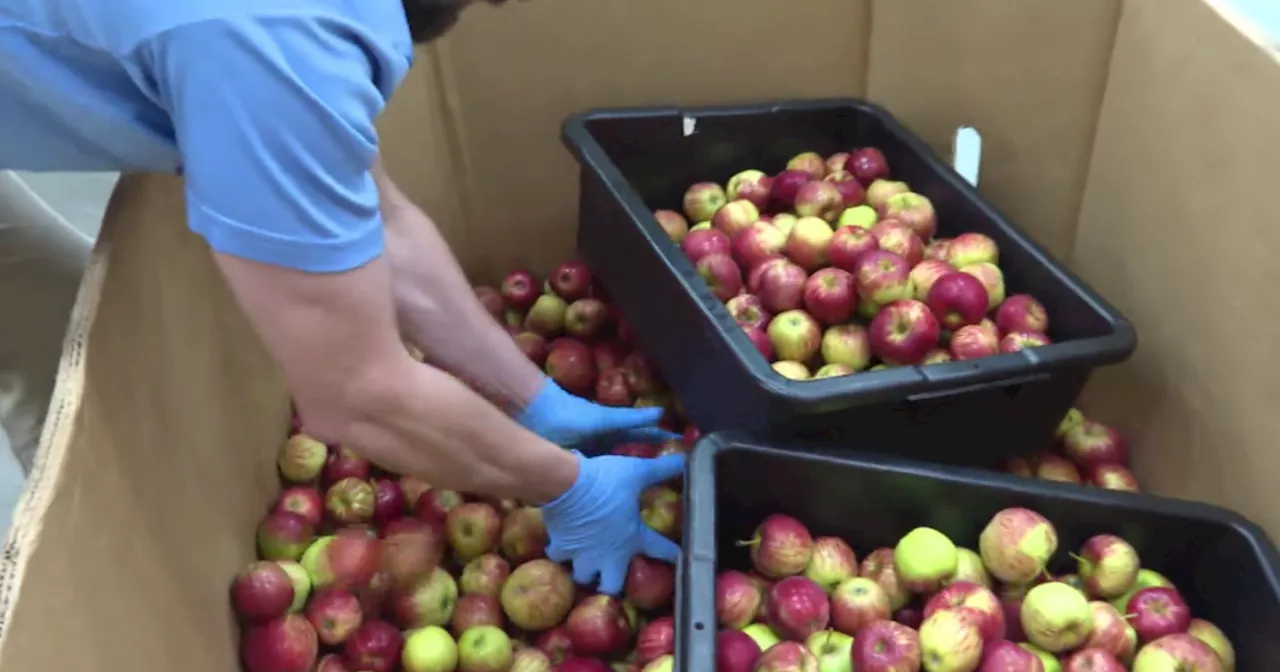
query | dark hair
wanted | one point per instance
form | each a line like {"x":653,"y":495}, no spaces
{"x":429,"y":19}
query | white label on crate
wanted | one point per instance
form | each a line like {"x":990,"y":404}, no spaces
{"x":690,"y":126}
{"x":966,"y":152}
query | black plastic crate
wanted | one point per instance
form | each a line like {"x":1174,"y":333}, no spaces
{"x":979,"y":412}
{"x":1225,"y":566}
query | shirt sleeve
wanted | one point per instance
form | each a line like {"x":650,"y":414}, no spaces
{"x":274,"y":120}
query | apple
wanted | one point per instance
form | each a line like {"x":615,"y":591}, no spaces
{"x":832,"y":371}
{"x":1147,"y":578}
{"x":303,"y":500}
{"x":571,"y":365}
{"x":809,"y":162}
{"x":836,"y":163}
{"x":738,"y":599}
{"x":972,"y":248}
{"x":833,"y":561}
{"x":428,"y":599}
{"x":867,"y":164}
{"x":785,"y":221}
{"x":661,"y":510}
{"x":350,"y":501}
{"x":748,"y":311}
{"x":608,"y":354}
{"x":301,"y":582}
{"x":650,"y":584}
{"x":331,"y":663}
{"x":781,"y":285}
{"x":377,"y":647}
{"x":1108,"y":566}
{"x":757,"y":243}
{"x":760,"y":339}
{"x":433,"y":505}
{"x":1016,"y":545}
{"x":1092,"y":443}
{"x":862,"y":217}
{"x":388,"y":501}
{"x":856,"y":602}
{"x":1056,"y":617}
{"x":302,"y":459}
{"x":702,"y":200}
{"x":1093,"y":660}
{"x":950,"y":641}
{"x":969,"y":569}
{"x":973,"y":342}
{"x":283,"y":644}
{"x":1051,"y":467}
{"x":847,"y":345}
{"x":475,"y":610}
{"x":585,"y":318}
{"x":1017,"y":341}
{"x":1003,"y":655}
{"x":787,"y":657}
{"x":924,"y":558}
{"x":895,"y":237}
{"x":1022,"y":312}
{"x":791,"y":370}
{"x":533,"y":346}
{"x":736,"y":652}
{"x":598,"y":627}
{"x":762,"y":635}
{"x":883,"y":277}
{"x":957,"y":299}
{"x":903,"y":332}
{"x":262,"y":591}
{"x":833,"y":650}
{"x":1156,"y":612}
{"x":410,"y":549}
{"x":830,"y":295}
{"x":655,"y":639}
{"x":537,"y":595}
{"x":808,"y":242}
{"x":879,"y":567}
{"x":702,"y":242}
{"x":642,"y":374}
{"x":335,"y":615}
{"x":429,"y":649}
{"x":673,"y":224}
{"x":284,"y":536}
{"x":936,"y":356}
{"x":735,"y":217}
{"x":721,"y":274}
{"x":786,"y":185}
{"x":1113,"y":477}
{"x":976,"y":602}
{"x":484,"y":575}
{"x":484,"y":648}
{"x":915,"y":211}
{"x":1110,"y":631}
{"x":848,"y":244}
{"x":1177,"y":653}
{"x":925,"y":273}
{"x":819,"y":199}
{"x":795,"y":335}
{"x":519,"y":290}
{"x":581,"y":665}
{"x":780,"y":547}
{"x":344,"y":463}
{"x":1217,"y":640}
{"x":886,"y":646}
{"x":546,"y":317}
{"x":530,"y":659}
{"x":992,"y":280}
{"x":612,"y":390}
{"x":880,"y":191}
{"x":556,"y":644}
{"x":752,"y":186}
{"x":851,"y":191}
{"x":570,"y":280}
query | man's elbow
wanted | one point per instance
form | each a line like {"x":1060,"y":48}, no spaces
{"x":339,"y":411}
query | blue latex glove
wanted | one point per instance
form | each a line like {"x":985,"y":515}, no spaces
{"x":596,"y":526}
{"x":574,"y":422}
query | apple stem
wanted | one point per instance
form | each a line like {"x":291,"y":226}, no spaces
{"x":749,"y":542}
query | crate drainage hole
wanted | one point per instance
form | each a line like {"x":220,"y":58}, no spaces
{"x":697,"y":626}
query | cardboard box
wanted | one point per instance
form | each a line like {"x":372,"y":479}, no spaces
{"x":1134,"y":139}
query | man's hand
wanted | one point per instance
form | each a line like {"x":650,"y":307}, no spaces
{"x":596,"y":525}
{"x":574,"y":422}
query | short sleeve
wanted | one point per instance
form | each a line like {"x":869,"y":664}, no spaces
{"x":274,"y":119}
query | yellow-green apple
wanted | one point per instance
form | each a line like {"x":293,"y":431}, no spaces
{"x":796,"y":608}
{"x":661,"y":509}
{"x":1092,"y":443}
{"x":598,"y":627}
{"x":1056,"y":617}
{"x":301,"y":581}
{"x":1017,"y":341}
{"x":656,"y":639}
{"x":878,"y":566}
{"x":738,"y":600}
{"x":894,"y":236}
{"x":846,"y":344}
{"x":700,"y":226}
{"x":809,"y":162}
{"x":586,"y":318}
{"x":848,"y":244}
{"x":850,"y":188}
{"x":1113,"y":477}
{"x":702,"y":242}
{"x":786,"y":184}
{"x":856,"y":602}
{"x":673,"y":224}
{"x":830,"y":295}
{"x":429,"y":649}
{"x":350,"y":501}
{"x":867,"y":164}
{"x":735,"y":217}
{"x":833,"y":649}
{"x":832,"y":562}
{"x":736,"y":651}
{"x":546,"y":317}
{"x":787,"y":657}
{"x":991,"y":278}
{"x":1005,"y":656}
{"x":832,"y":371}
{"x":1049,"y":661}
{"x":762,"y":635}
{"x":1052,"y":467}
{"x":537,"y":595}
{"x":756,"y":243}
{"x":795,"y":335}
{"x":513,"y":320}
{"x":1177,"y":653}
{"x":937,"y":249}
{"x":1093,"y":660}
{"x":1156,"y":612}
{"x":1110,"y":631}
{"x":427,"y":600}
{"x":883,"y":277}
{"x":820,"y":199}
{"x":530,"y":659}
{"x":721,"y":274}
{"x":302,"y":459}
{"x":702,"y":200}
{"x":284,"y":643}
{"x":524,"y":536}
{"x":1216,"y":639}
{"x":785,"y":221}
{"x":760,"y":339}
{"x":973,"y":342}
{"x":1071,"y":419}
{"x":969,"y":569}
{"x":836,"y":162}
{"x":950,"y":642}
{"x":925,"y":273}
{"x":519,"y":290}
{"x":936,"y":356}
{"x":975,"y":601}
{"x":886,"y":646}
{"x":903,"y":332}
{"x":780,"y":285}
{"x":1022,"y":312}
{"x":915,"y":211}
{"x":1016,"y":544}
{"x":867,"y":308}
{"x":484,"y":648}
{"x":1108,"y":566}
{"x":747,"y":310}
{"x":924,"y":558}
{"x":972,"y":248}
{"x":957,"y":299}
{"x":808,"y":242}
{"x":749,"y":185}
{"x":780,"y":547}
{"x":881,"y":190}
{"x":858,"y":217}
{"x":1147,"y":578}
{"x":991,"y":328}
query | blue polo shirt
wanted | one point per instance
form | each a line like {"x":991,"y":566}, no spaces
{"x":266,"y":106}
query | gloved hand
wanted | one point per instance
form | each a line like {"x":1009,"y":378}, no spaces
{"x":574,"y":422}
{"x":596,"y":523}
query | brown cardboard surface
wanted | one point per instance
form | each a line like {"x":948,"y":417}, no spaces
{"x":1177,"y":229}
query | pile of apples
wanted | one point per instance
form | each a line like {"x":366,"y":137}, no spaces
{"x":808,"y":606}
{"x":1085,"y":452}
{"x":831,"y":267}
{"x":362,"y":570}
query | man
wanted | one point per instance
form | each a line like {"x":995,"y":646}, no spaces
{"x":267,"y":108}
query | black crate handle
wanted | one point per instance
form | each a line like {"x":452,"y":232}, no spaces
{"x":979,"y":387}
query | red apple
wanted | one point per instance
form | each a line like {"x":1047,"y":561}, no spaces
{"x":702,"y":200}
{"x":598,"y":627}
{"x":796,"y":608}
{"x":878,"y":566}
{"x":433,"y":505}
{"x":410,"y":548}
{"x":973,"y":342}
{"x":1108,"y":566}
{"x":915,"y":211}
{"x":786,"y":185}
{"x":533,"y":346}
{"x":976,"y":602}
{"x":847,"y":345}
{"x":1113,"y":477}
{"x":1022,"y":312}
{"x":1156,"y":612}
{"x":1110,"y":632}
{"x":893,"y":236}
{"x":957,"y":299}
{"x":857,"y":602}
{"x":886,"y":646}
{"x":781,"y":285}
{"x":1051,"y":467}
{"x":475,"y":610}
{"x":927,"y":272}
{"x":261,"y":592}
{"x":656,"y":639}
{"x":1005,"y":656}
{"x":851,"y":191}
{"x":571,"y":280}
{"x":883,"y":277}
{"x":1092,"y":443}
{"x":335,"y":615}
{"x":848,"y":244}
{"x":736,"y":651}
{"x":491,"y":299}
{"x":1178,"y":653}
{"x":972,"y":248}
{"x":284,"y":644}
{"x":795,"y":335}
{"x":302,"y":500}
{"x":702,"y":242}
{"x":673,"y":224}
{"x":612,"y":390}
{"x":581,"y":665}
{"x":757,"y":243}
{"x":780,"y":547}
{"x":903,"y":332}
{"x":573,"y":368}
{"x":344,"y":463}
{"x":808,"y":242}
{"x":556,"y":644}
{"x":880,"y":191}
{"x":1017,"y":341}
{"x":642,"y":374}
{"x":1216,"y":639}
{"x":331,"y":663}
{"x":820,"y":199}
{"x":586,"y":318}
{"x":748,"y":311}
{"x":868,"y":165}
{"x":830,"y":295}
{"x":809,"y":162}
{"x":760,"y":339}
{"x":651,"y":584}
{"x":519,"y":290}
{"x":738,"y":600}
{"x":1093,"y":660}
{"x":388,"y":501}
{"x":749,"y":185}
{"x":735,"y":217}
{"x":374,"y":647}
{"x":608,"y":355}
{"x":833,"y":561}
{"x":484,"y":575}
{"x":721,"y":274}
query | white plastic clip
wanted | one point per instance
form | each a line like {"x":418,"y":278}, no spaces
{"x":690,"y":126}
{"x":966,"y":153}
